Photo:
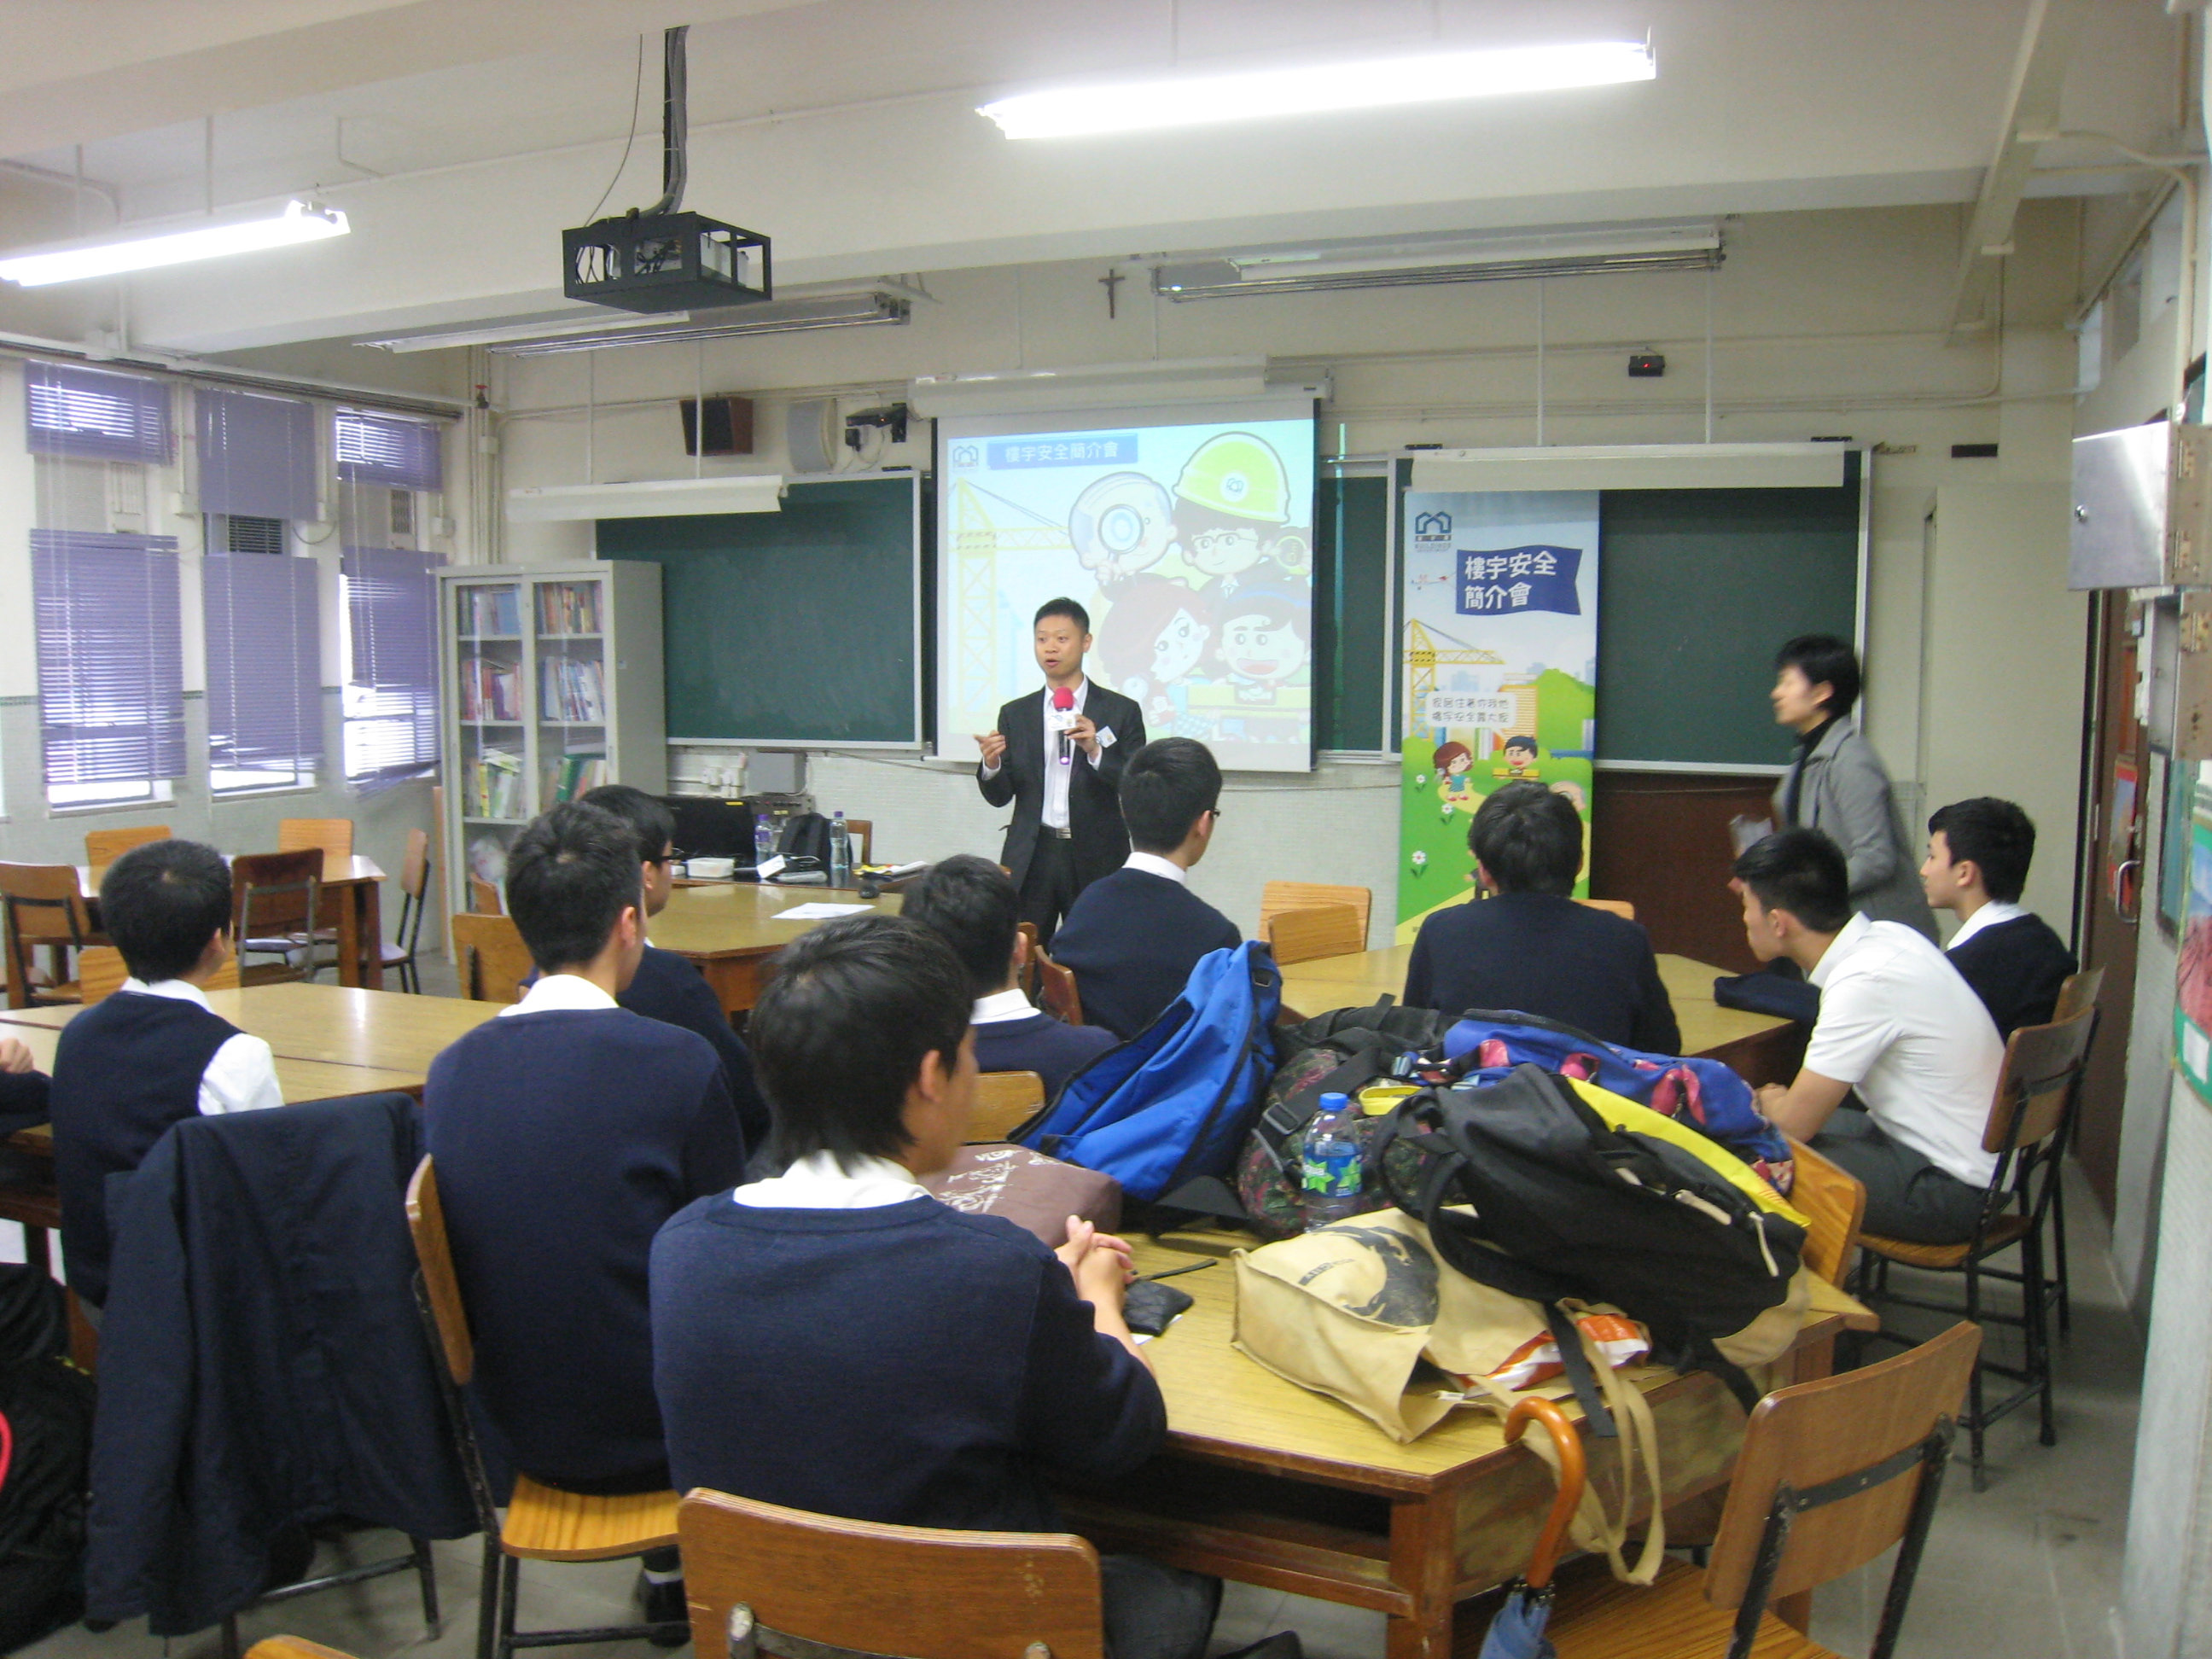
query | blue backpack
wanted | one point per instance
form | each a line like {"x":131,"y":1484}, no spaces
{"x":1173,"y":1104}
{"x":1487,"y":1043}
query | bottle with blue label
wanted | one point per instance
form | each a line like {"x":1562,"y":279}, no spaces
{"x":1332,"y":1163}
{"x":763,"y":837}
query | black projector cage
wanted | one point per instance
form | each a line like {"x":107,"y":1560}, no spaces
{"x":665,"y":262}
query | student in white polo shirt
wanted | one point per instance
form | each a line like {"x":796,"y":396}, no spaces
{"x":1903,"y":1062}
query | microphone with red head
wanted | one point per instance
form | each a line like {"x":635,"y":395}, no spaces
{"x":1063,"y":703}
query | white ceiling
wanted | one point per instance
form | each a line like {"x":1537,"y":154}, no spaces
{"x":473,"y":131}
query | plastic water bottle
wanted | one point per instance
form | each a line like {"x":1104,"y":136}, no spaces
{"x":840,"y":853}
{"x":763,"y":837}
{"x":1332,"y":1163}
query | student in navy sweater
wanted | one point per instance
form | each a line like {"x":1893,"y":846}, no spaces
{"x":564,"y":1133}
{"x":1978,"y":852}
{"x":974,"y":907}
{"x":1133,"y":937}
{"x":1531,"y":947}
{"x":836,"y":1341}
{"x":22,"y":1088}
{"x":153,"y":1052}
{"x":667,"y":987}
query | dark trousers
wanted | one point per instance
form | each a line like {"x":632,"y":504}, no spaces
{"x":1153,"y":1612}
{"x":1049,"y":887}
{"x":1907,"y":1197}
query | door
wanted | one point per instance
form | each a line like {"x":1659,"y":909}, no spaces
{"x":2111,"y":875}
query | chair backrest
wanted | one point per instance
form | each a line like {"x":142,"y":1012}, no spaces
{"x":2042,"y":1065}
{"x":426,"y":1225}
{"x":1833,"y":1200}
{"x":864,"y":1588}
{"x":1801,"y":1439}
{"x":103,"y":846}
{"x":2079,"y":993}
{"x":332,"y":835}
{"x":276,"y":893}
{"x":45,"y":903}
{"x":1304,"y":895}
{"x":1056,"y":990}
{"x":1620,"y":907}
{"x":860,"y":833}
{"x":101,"y":972}
{"x":414,"y":868}
{"x":1028,"y":977}
{"x":483,"y":897}
{"x":491,"y":957}
{"x":1004,"y":1102}
{"x":1318,"y":930}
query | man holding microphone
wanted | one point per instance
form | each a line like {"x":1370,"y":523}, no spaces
{"x":1058,"y":756}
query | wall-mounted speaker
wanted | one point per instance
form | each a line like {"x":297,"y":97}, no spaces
{"x":811,"y":434}
{"x":729,"y":426}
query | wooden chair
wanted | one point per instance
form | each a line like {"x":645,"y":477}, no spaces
{"x":103,"y":846}
{"x":415,"y":892}
{"x":1057,"y":990}
{"x":1030,"y":978}
{"x":490,"y":958}
{"x":483,"y":898}
{"x":542,"y":1523}
{"x":1319,"y":930}
{"x":332,"y":835}
{"x":1833,"y":1200}
{"x":2029,"y":1123}
{"x":100,"y":973}
{"x":2079,"y":995}
{"x":1304,"y":895}
{"x":277,"y":909}
{"x":861,"y":834}
{"x":1004,"y":1102}
{"x":765,"y":1580}
{"x":1831,"y":1473}
{"x":1620,"y":907}
{"x":43,"y":907}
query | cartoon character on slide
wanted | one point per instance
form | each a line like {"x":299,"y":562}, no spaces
{"x":1232,"y":516}
{"x":1151,"y":642}
{"x":1520,"y":759}
{"x":1263,"y":638}
{"x":1453,"y":761}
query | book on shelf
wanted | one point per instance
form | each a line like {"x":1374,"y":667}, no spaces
{"x":572,"y":691}
{"x":490,"y":690}
{"x":575,"y":773}
{"x":491,"y":786}
{"x":568,"y":608}
{"x":490,"y":611}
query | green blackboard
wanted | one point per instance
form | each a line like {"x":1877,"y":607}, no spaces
{"x":1352,"y":583}
{"x":797,"y":628}
{"x":1697,"y":589}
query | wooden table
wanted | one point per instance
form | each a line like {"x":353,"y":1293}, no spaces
{"x":1760,"y":1048}
{"x":1271,"y":1484}
{"x":730,"y":929}
{"x":356,"y":885}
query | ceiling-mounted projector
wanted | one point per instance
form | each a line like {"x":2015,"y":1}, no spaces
{"x":663,"y":258}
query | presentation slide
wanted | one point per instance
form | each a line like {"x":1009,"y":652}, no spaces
{"x":1187,"y":534}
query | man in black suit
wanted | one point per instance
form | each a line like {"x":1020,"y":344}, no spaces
{"x":1132,"y":938}
{"x":1978,"y":852}
{"x":1058,"y":756}
{"x":970,"y":904}
{"x":1531,"y":947}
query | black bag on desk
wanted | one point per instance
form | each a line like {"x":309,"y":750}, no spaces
{"x":806,"y":836}
{"x":1769,"y":994}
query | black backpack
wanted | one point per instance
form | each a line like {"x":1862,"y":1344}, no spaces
{"x":806,"y":835}
{"x":45,"y":1405}
{"x":1566,"y":1206}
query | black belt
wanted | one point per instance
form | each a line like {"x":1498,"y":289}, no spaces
{"x":1063,"y":833}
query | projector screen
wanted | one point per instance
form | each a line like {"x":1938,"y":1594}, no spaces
{"x":1188,"y":535}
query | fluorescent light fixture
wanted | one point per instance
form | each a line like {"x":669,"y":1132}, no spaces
{"x":1444,"y":257}
{"x":498,"y":330}
{"x":1105,"y":386}
{"x":864,"y":310}
{"x":1313,"y":89}
{"x":300,"y":221}
{"x":650,"y":498}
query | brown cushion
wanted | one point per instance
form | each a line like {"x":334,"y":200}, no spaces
{"x":1034,"y":1192}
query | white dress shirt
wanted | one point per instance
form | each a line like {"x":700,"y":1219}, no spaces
{"x":1054,"y":814}
{"x":1153,"y":865}
{"x":1900,"y":1025}
{"x":563,"y":991}
{"x":1000,"y":1006}
{"x":819,"y":1182}
{"x":242,"y":1076}
{"x":1991,"y":914}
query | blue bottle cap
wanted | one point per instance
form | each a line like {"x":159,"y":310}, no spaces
{"x":1333,"y":1102}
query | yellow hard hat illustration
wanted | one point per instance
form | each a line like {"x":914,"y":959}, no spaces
{"x":1237,"y":474}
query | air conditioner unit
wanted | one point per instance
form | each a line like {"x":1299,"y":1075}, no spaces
{"x":1442,"y":257}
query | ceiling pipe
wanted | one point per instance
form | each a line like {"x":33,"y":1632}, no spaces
{"x":675,"y":120}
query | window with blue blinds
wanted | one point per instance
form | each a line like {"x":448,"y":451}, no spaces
{"x":90,"y":414}
{"x":111,"y":674}
{"x":257,"y":454}
{"x":263,"y":671}
{"x":389,"y":449}
{"x":390,"y":725}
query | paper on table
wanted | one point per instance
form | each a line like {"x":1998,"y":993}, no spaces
{"x":819,"y":912}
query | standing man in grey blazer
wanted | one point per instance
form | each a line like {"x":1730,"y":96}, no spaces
{"x":1837,"y":782}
